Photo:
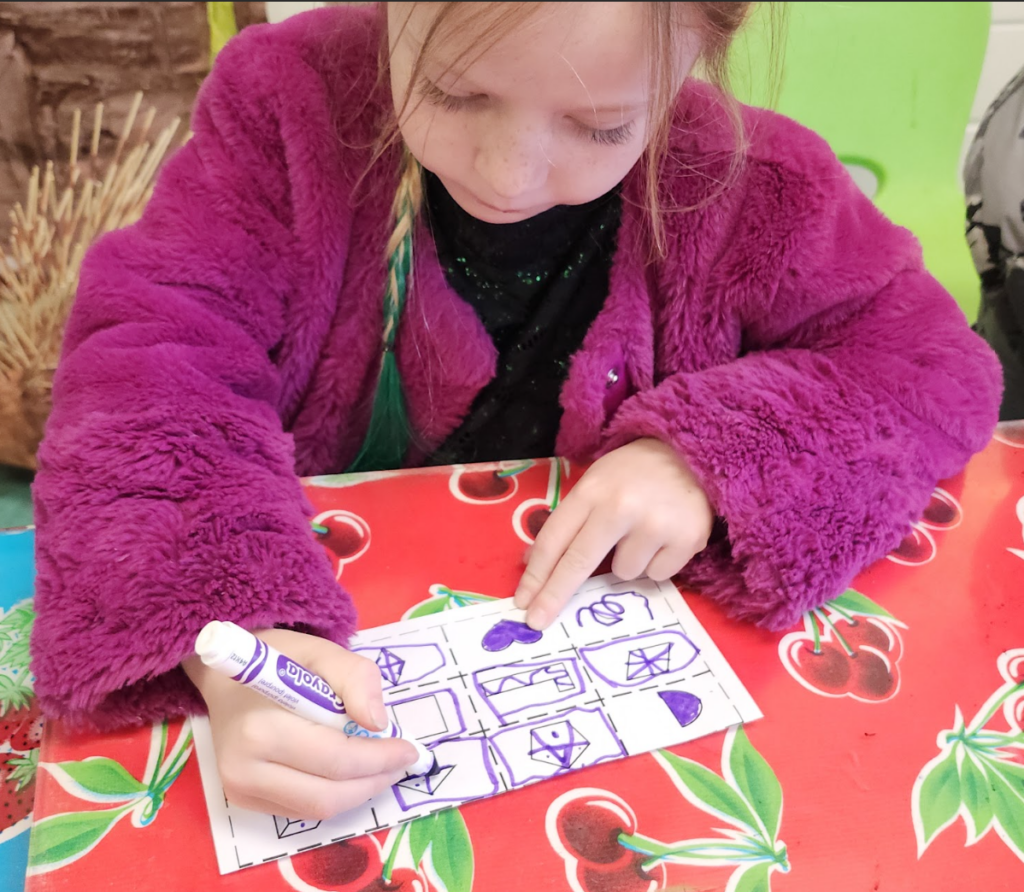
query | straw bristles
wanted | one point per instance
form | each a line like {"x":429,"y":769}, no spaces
{"x":39,"y":267}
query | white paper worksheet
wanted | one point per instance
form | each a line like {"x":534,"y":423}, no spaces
{"x":625,"y":669}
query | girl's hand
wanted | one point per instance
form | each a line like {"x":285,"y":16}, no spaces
{"x":641,"y":499}
{"x":271,"y":760}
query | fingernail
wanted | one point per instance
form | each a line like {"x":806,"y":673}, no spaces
{"x":379,"y":715}
{"x":537,"y":619}
{"x":520,"y":598}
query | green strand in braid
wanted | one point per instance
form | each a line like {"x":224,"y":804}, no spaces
{"x":387,"y":437}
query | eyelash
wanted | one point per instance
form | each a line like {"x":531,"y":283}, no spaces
{"x":433,"y":94}
{"x":436,"y":96}
{"x":617,"y":136}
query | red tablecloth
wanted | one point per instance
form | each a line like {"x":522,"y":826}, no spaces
{"x":891,"y":754}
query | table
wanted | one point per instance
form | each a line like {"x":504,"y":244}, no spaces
{"x":19,"y":740}
{"x":890,"y":757}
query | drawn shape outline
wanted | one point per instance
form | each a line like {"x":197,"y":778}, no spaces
{"x":439,"y":706}
{"x":511,"y":688}
{"x":402,"y":664}
{"x":607,"y":612}
{"x":640,"y":658}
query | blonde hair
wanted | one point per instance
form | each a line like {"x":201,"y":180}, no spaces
{"x":716,"y":24}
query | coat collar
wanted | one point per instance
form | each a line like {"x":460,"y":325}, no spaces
{"x":446,"y":356}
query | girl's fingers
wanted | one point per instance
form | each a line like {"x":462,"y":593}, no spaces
{"x":633,"y":554}
{"x":668,"y":561}
{"x":577,"y":561}
{"x":356,"y":680}
{"x":280,"y":790}
{"x":327,"y":753}
{"x":560,"y":529}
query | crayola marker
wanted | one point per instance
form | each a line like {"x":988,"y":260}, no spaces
{"x":231,"y":650}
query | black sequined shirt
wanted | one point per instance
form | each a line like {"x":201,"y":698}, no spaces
{"x":536,"y":286}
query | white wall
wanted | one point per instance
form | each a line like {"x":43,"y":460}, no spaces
{"x":277,"y":12}
{"x":1003,"y":59}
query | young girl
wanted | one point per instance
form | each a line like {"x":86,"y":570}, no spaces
{"x":591,"y":253}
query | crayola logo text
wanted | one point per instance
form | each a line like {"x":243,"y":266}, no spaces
{"x":310,"y":686}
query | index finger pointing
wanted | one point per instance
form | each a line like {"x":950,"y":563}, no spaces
{"x":575,"y":565}
{"x":554,"y":537}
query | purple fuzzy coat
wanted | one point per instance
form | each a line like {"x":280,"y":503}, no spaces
{"x":790,"y":346}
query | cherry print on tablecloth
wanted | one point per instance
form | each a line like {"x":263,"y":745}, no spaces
{"x":919,"y":546}
{"x":1010,"y":433}
{"x":1019,"y":552}
{"x":427,"y":854}
{"x":915,"y":549}
{"x":345,"y":537}
{"x":584,"y":826}
{"x":346,"y":866}
{"x":855,"y":653}
{"x":531,"y":514}
{"x":596,"y":832}
{"x":1011,"y":667}
{"x":486,"y":484}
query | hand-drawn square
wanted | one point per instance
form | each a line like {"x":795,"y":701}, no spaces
{"x":428,"y":717}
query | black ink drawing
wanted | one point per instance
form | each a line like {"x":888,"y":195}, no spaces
{"x":508,"y":690}
{"x":291,"y":827}
{"x":404,"y":663}
{"x":559,"y":744}
{"x":551,"y":746}
{"x":462,"y":770}
{"x":428,"y":717}
{"x":640,"y":659}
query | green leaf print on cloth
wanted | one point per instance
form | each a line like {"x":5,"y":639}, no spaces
{"x":58,"y":840}
{"x":747,"y":796}
{"x":976,"y":774}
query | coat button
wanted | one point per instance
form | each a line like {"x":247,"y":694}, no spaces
{"x":612,"y":378}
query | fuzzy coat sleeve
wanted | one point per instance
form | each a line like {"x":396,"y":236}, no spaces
{"x":166,"y":495}
{"x":858,"y":385}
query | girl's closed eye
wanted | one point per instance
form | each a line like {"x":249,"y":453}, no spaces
{"x":615,"y":136}
{"x":433,"y":94}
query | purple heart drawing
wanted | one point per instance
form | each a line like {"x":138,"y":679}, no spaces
{"x":683,"y":705}
{"x":506,"y":632}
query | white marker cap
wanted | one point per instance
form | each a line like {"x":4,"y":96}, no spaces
{"x":223,"y":645}
{"x":424,"y":763}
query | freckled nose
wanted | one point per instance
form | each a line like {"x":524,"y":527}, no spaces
{"x":512,"y":171}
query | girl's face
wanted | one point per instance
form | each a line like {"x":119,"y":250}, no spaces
{"x":555,"y":112}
